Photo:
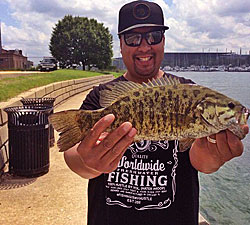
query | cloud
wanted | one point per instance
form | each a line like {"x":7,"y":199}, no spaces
{"x":37,"y":18}
{"x":211,"y":24}
{"x":232,"y":7}
{"x":195,"y":25}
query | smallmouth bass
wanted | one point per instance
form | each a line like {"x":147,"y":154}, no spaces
{"x":162,"y":109}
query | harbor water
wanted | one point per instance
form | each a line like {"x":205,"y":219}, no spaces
{"x":225,"y":194}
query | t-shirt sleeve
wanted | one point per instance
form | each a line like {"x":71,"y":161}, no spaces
{"x":91,"y":101}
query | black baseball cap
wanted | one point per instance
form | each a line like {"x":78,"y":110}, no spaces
{"x":140,"y":14}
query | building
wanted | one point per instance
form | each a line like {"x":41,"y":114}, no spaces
{"x":13,"y":59}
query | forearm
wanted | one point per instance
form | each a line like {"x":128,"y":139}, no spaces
{"x":75,"y":163}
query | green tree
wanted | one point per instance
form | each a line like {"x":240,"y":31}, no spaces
{"x":79,"y":40}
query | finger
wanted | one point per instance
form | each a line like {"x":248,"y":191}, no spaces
{"x":213,"y":149}
{"x":223,"y":147}
{"x":201,"y":143}
{"x":235,"y":144}
{"x":211,"y":139}
{"x":121,"y":148}
{"x":110,"y":160}
{"x":245,"y":129}
{"x":212,"y":145}
{"x":93,"y":135}
{"x":114,"y":164}
{"x":114,"y":137}
{"x":102,"y":136}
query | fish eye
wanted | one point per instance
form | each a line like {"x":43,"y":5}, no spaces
{"x":231,"y":105}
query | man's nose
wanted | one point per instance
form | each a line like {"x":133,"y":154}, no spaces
{"x":144,"y":46}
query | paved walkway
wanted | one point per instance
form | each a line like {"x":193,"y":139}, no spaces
{"x":57,"y":198}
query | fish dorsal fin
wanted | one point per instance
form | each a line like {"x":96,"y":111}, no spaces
{"x":117,"y":90}
{"x":162,"y":82}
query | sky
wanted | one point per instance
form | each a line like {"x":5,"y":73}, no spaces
{"x":195,"y":25}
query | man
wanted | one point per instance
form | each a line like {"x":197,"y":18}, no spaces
{"x":151,"y":182}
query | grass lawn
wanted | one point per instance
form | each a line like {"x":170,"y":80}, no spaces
{"x":11,"y":87}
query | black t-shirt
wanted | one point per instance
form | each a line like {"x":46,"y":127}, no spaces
{"x":154,"y":184}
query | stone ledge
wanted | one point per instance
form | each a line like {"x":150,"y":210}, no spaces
{"x":3,"y":117}
{"x":3,"y":134}
{"x":61,"y":91}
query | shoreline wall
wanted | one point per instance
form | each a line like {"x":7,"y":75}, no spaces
{"x":61,"y":91}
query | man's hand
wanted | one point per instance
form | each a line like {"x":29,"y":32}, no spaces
{"x":208,"y":157}
{"x":101,"y":152}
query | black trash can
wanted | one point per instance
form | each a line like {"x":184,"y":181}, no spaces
{"x":42,"y":102}
{"x":28,"y":129}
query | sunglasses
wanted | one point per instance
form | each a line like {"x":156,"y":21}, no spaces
{"x":135,"y":39}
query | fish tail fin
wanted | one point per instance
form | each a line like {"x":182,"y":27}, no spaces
{"x":71,"y":131}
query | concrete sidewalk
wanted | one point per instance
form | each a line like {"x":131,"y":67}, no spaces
{"x":58,"y":197}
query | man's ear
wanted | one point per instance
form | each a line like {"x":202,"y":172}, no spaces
{"x":121,"y":43}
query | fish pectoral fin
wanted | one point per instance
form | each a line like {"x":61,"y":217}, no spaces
{"x":185,"y":144}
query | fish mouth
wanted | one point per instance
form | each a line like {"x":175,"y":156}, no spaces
{"x":242,"y":117}
{"x":247,"y":113}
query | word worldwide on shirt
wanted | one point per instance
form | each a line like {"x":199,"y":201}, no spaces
{"x":139,"y":165}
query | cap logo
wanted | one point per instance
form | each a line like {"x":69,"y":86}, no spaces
{"x":141,"y":11}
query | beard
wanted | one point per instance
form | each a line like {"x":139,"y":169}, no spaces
{"x":145,"y":68}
